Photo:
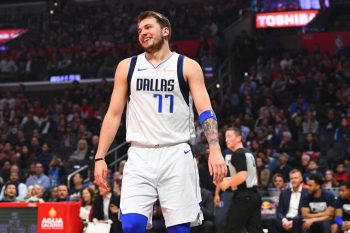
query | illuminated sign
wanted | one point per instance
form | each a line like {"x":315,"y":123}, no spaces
{"x":65,"y":78}
{"x":9,"y":34}
{"x":285,"y":19}
{"x":52,"y":222}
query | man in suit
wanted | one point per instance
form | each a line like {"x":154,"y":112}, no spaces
{"x":289,"y":207}
{"x":106,"y":207}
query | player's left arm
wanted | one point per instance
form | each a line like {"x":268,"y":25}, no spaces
{"x":195,"y":79}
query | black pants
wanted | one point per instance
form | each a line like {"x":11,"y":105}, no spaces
{"x":244,"y":213}
{"x":275,"y":226}
{"x":206,"y":227}
{"x":321,"y":227}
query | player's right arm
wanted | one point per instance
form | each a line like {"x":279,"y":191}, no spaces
{"x":112,"y":120}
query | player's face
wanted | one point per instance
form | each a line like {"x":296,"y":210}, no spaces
{"x":295,"y":179}
{"x":344,"y":192}
{"x":151,"y":35}
{"x":232,"y":139}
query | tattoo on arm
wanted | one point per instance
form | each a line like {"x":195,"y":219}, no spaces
{"x":210,"y":127}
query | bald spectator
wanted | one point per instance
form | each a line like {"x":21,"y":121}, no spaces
{"x":35,"y":193}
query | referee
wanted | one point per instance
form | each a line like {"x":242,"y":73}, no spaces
{"x":244,"y":212}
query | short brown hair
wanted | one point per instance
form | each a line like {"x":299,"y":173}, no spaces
{"x":161,"y":19}
{"x":236,"y":130}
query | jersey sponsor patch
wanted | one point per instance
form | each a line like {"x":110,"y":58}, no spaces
{"x":317,"y":207}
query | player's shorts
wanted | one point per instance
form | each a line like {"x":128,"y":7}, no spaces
{"x":168,"y":173}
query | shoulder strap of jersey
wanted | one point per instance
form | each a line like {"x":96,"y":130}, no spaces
{"x":180,"y":75}
{"x":131,"y":71}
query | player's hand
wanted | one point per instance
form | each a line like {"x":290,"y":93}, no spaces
{"x":217,"y":200}
{"x":217,"y":165}
{"x":101,"y":174}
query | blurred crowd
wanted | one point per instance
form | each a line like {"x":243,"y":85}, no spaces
{"x":91,"y":39}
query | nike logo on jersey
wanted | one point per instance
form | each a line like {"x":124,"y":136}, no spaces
{"x":141,"y":69}
{"x":186,"y":151}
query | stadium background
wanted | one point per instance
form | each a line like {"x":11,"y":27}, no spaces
{"x":284,"y":80}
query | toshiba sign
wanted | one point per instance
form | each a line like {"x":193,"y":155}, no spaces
{"x":285,"y":19}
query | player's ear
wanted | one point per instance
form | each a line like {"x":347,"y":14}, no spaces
{"x":166,"y":31}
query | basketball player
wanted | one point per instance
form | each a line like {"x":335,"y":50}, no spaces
{"x":244,"y":212}
{"x":158,"y":87}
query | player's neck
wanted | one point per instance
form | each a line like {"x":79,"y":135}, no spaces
{"x":158,"y":57}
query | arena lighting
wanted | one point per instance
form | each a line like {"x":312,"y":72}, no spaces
{"x":218,"y":85}
{"x":285,"y":19}
{"x":51,"y":12}
{"x":9,"y":34}
{"x":55,"y":3}
{"x":65,"y":78}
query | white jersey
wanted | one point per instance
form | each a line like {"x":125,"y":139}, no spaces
{"x":160,"y":106}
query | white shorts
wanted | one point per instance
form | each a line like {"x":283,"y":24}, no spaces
{"x":168,"y":173}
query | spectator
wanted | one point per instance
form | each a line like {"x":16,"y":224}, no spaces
{"x":87,"y":201}
{"x":287,"y":144}
{"x":53,"y":195}
{"x":21,"y":189}
{"x":283,"y":168}
{"x":35,"y":193}
{"x":341,"y":175}
{"x":342,"y":215}
{"x":45,"y":156}
{"x":39,"y":177}
{"x":318,"y":207}
{"x":310,"y":124}
{"x":10,"y":192}
{"x":62,"y":193}
{"x":78,"y":185}
{"x":117,"y":182}
{"x":289,"y":206}
{"x":5,"y":170}
{"x":278,"y":182}
{"x":311,"y":144}
{"x":8,"y":65}
{"x":106,"y":206}
{"x":300,"y":103}
{"x":57,"y":171}
{"x":329,"y":180}
{"x":312,"y":169}
{"x":25,"y":157}
{"x":80,"y":153}
{"x":342,"y":133}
